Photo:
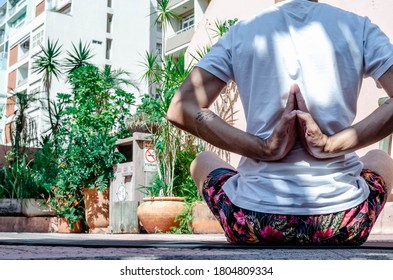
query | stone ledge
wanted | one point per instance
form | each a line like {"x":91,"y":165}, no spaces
{"x":28,"y":224}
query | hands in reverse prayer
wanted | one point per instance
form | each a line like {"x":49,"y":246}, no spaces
{"x":295,"y":122}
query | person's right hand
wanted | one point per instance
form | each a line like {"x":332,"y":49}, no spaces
{"x":310,"y":134}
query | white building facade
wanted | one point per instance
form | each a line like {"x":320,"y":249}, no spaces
{"x":118,"y":32}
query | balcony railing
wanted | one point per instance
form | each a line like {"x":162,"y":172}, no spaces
{"x":22,"y":82}
{"x":2,"y":20}
{"x":16,"y":8}
{"x":57,"y":5}
{"x":173,"y":3}
{"x":182,"y":37}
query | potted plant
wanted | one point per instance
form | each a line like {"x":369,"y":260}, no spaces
{"x":86,"y":170}
{"x":164,"y":76}
{"x":85,"y":125}
{"x":166,"y":191}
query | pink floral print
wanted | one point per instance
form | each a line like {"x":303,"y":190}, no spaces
{"x":242,"y":226}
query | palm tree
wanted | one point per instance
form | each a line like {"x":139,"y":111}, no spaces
{"x":117,"y":79}
{"x":78,"y":57}
{"x":152,"y":71}
{"x":164,"y":17}
{"x":47,"y":63}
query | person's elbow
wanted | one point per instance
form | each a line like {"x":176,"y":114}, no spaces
{"x":174,"y":113}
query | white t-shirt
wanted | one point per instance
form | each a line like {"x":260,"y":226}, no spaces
{"x":327,"y":52}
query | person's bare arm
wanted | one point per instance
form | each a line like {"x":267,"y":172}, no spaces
{"x":372,"y":129}
{"x":189,"y":110}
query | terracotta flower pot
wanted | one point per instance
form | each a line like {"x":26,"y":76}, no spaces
{"x":203,"y":220}
{"x":97,"y":210}
{"x":64,"y":227}
{"x":158,"y":214}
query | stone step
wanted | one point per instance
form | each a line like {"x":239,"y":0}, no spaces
{"x":28,"y":224}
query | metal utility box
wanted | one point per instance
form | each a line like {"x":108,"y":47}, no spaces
{"x":131,"y":175}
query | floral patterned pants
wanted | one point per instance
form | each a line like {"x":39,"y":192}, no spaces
{"x":242,"y":226}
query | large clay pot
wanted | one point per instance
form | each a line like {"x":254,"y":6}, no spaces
{"x":158,"y":214}
{"x":203,"y":220}
{"x":64,"y":227}
{"x":97,"y":210}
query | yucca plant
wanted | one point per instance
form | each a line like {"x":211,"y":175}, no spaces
{"x":168,"y":139}
{"x":164,"y":16}
{"x":47,"y":62}
{"x":79,"y":56}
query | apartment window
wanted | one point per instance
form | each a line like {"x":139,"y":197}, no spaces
{"x":108,"y":48}
{"x":19,"y":21}
{"x":2,"y":36}
{"x":159,"y":48}
{"x":109,"y":4}
{"x":109,"y":19}
{"x":37,"y":38}
{"x":32,"y":132}
{"x":187,"y":22}
{"x":159,"y":27}
{"x":24,"y":49}
{"x":23,"y":75}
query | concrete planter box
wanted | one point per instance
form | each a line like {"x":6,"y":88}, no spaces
{"x":35,"y":208}
{"x":10,"y":207}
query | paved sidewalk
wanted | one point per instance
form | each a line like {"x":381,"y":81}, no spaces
{"x":54,"y":246}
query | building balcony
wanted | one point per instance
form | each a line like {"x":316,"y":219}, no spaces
{"x":22,"y":82}
{"x":180,"y":39}
{"x":15,"y":9}
{"x":3,"y":60}
{"x":180,"y":7}
{"x":2,"y":20}
{"x":58,"y":5}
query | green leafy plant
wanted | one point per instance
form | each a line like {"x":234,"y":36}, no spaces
{"x":79,"y":152}
{"x":167,"y":138}
{"x":185,"y":220}
{"x":16,"y":178}
{"x":87,"y":159}
{"x":222,"y":27}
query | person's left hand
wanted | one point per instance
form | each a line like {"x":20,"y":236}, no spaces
{"x":284,"y":134}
